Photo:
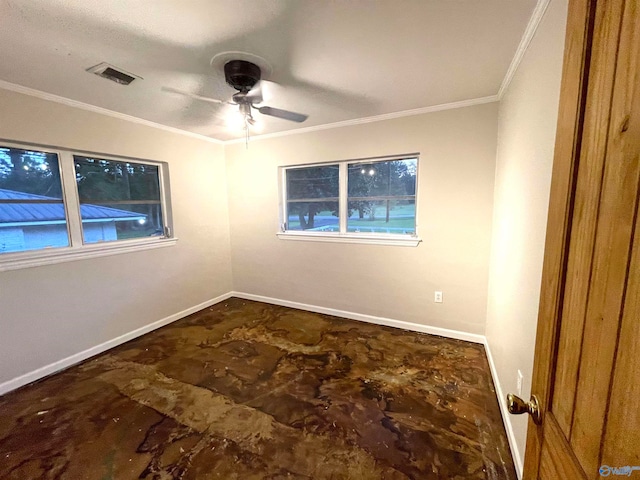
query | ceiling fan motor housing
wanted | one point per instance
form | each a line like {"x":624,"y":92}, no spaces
{"x":241,"y":75}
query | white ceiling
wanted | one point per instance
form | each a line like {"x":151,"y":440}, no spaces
{"x":335,"y":60}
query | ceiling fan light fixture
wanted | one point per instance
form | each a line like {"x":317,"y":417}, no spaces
{"x":246,"y":77}
{"x":235,"y":120}
{"x":257,"y":126}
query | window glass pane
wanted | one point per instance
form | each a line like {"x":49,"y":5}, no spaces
{"x":373,"y":218}
{"x":382,"y":197}
{"x":313,"y":216}
{"x":118,"y":200}
{"x":312,"y":198}
{"x":32,"y":214}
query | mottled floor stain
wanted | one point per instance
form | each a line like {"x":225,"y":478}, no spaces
{"x":246,"y":390}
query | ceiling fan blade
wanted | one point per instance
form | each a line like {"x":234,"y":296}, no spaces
{"x":284,"y":114}
{"x":192,"y":95}
{"x":262,"y":91}
{"x":255,"y":95}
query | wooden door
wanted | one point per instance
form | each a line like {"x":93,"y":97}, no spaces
{"x":587,"y":361}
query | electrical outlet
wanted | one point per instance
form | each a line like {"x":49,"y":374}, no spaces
{"x":519,"y":383}
{"x":438,"y":297}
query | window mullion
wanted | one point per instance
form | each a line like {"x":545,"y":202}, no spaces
{"x":70,"y":195}
{"x":342,"y":194}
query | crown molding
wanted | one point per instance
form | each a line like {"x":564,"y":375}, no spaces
{"x":532,"y":26}
{"x":376,"y":118}
{"x":32,"y":92}
{"x":527,"y":36}
{"x":346,"y":123}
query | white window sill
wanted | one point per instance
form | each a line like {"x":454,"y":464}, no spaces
{"x":37,"y":258}
{"x":371,"y":239}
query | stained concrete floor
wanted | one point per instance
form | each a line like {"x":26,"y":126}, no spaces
{"x":246,"y":390}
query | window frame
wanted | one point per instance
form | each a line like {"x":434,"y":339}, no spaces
{"x":343,"y":236}
{"x":77,"y":248}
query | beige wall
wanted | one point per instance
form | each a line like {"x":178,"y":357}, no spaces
{"x":455,"y":196}
{"x":51,"y":312}
{"x":48,"y":313}
{"x":526,"y":136}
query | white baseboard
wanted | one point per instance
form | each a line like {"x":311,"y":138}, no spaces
{"x":506,"y":419}
{"x":389,"y":322}
{"x":415,"y":327}
{"x":90,"y":352}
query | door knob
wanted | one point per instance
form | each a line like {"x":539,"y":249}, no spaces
{"x":517,"y":406}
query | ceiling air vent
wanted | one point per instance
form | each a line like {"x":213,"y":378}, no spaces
{"x":112,"y":73}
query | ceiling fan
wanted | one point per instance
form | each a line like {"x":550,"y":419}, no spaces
{"x":245,"y":77}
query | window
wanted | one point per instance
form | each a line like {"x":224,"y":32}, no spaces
{"x":363,"y":201}
{"x":32,"y":214}
{"x":57,"y":205}
{"x":312,"y":198}
{"x":382,"y":197}
{"x":118,"y":200}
